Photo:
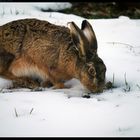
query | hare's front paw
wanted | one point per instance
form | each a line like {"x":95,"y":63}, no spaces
{"x":58,"y":86}
{"x":47,"y":84}
{"x":61,"y":86}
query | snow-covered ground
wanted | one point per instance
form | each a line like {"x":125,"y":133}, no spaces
{"x":63,"y":112}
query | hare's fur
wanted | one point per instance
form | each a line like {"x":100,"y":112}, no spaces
{"x":36,"y":53}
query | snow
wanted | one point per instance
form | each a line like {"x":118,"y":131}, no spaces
{"x":63,"y":112}
{"x":24,"y":8}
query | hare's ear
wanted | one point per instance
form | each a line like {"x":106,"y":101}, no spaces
{"x":79,"y":39}
{"x":89,"y":34}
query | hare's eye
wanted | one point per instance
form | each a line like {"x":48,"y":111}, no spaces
{"x":91,"y":71}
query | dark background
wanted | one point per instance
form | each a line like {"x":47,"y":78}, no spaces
{"x":105,"y":9}
{"x":100,"y":9}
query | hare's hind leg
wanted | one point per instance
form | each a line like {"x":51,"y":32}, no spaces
{"x":27,"y":72}
{"x":25,"y":82}
{"x":6,"y":60}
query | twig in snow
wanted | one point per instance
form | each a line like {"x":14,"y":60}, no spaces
{"x":125,"y":79}
{"x":16,"y":12}
{"x":3,"y":12}
{"x":113,"y":79}
{"x":127,"y":86}
{"x":138,"y":86}
{"x":1,"y":90}
{"x":11,"y":11}
{"x":110,"y":85}
{"x":16,"y":113}
{"x":31,"y":110}
{"x":121,"y":44}
{"x":124,"y":129}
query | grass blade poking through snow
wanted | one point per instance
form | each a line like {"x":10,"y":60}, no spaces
{"x":138,"y":86}
{"x":110,"y":85}
{"x":31,"y":111}
{"x":16,"y":113}
{"x":127,"y":86}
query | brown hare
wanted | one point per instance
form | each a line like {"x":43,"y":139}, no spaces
{"x":37,"y":53}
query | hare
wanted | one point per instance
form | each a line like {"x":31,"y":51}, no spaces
{"x":37,"y":53}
